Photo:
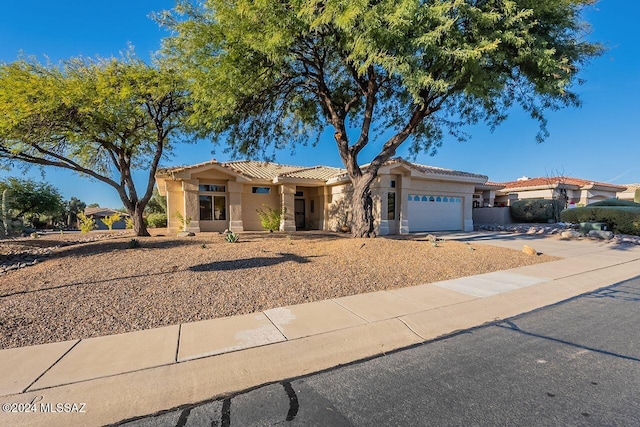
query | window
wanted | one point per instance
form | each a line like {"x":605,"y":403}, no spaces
{"x":261,"y":190}
{"x":206,"y":210}
{"x":393,"y":183}
{"x":213,"y":208}
{"x":391,"y":206}
{"x":299,"y":194}
{"x":212,"y":187}
{"x":312,"y":205}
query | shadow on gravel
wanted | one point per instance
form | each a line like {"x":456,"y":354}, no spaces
{"x":239,"y":264}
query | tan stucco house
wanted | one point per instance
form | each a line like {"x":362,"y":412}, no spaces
{"x":577,"y":191}
{"x":407,"y":197}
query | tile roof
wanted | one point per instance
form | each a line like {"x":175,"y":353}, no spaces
{"x":269,"y":171}
{"x":323,"y":173}
{"x":546,"y":182}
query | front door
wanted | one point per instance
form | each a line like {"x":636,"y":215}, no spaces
{"x":299,"y":214}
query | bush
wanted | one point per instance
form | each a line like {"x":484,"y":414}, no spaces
{"x":621,"y":219}
{"x":270,"y":218}
{"x":535,"y":210}
{"x":232,"y":237}
{"x":86,"y":223}
{"x":616,"y":202}
{"x":157,"y":220}
{"x":111,"y":219}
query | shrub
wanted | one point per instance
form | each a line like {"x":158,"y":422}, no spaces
{"x":157,"y":219}
{"x":86,"y":223}
{"x":270,"y":218}
{"x":621,"y":219}
{"x":184,"y":221}
{"x":133,"y":244}
{"x":128,"y":221}
{"x":616,"y":202}
{"x":535,"y":210}
{"x":111,"y":219}
{"x":232,"y":237}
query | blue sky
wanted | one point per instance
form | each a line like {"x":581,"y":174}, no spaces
{"x":600,"y":141}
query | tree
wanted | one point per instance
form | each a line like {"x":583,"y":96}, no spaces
{"x":273,"y":73}
{"x":30,"y":200}
{"x":102,"y":118}
{"x":72,"y":208}
{"x":111,"y":219}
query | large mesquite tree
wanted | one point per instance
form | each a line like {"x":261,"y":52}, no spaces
{"x":102,"y":118}
{"x":272,"y":73}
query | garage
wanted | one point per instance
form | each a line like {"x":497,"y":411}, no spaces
{"x":434,"y":213}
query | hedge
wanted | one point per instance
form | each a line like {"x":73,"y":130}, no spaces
{"x":616,"y":202}
{"x":621,"y":219}
{"x":534,"y":210}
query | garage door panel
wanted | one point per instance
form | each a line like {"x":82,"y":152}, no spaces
{"x":434,"y":213}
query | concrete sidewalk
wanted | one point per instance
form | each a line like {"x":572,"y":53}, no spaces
{"x":122,"y":376}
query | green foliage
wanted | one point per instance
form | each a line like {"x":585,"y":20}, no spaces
{"x":184,"y":222}
{"x":158,"y":220}
{"x":539,"y":211}
{"x":268,"y":74}
{"x":71,"y":210}
{"x":128,"y":221}
{"x":615,"y":202}
{"x":86,"y":223}
{"x":111,"y":219}
{"x":621,"y":219}
{"x":133,"y":244}
{"x":29,"y":200}
{"x":232,"y":237}
{"x":270,"y":218}
{"x":102,"y":118}
{"x":157,"y":203}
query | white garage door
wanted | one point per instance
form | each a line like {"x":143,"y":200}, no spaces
{"x":433,"y":213}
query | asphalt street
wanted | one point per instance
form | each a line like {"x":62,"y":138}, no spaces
{"x":576,"y":363}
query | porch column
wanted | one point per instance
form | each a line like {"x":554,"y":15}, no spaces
{"x":235,"y":206}
{"x":467,"y":212}
{"x":287,"y":204}
{"x":191,"y":205}
{"x":403,"y":218}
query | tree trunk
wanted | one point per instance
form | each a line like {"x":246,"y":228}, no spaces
{"x":362,"y":208}
{"x":138,"y":222}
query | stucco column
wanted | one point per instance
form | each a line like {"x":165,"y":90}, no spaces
{"x":287,"y":204}
{"x":403,"y":218}
{"x":235,"y":206}
{"x":191,"y":205}
{"x":468,"y":212}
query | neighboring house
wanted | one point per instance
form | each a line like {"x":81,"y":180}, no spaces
{"x":99,"y":213}
{"x":629,"y":193}
{"x":574,"y":190}
{"x":407,"y":197}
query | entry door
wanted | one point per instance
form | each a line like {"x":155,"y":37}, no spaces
{"x":299,"y":214}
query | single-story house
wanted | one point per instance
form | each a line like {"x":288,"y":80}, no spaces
{"x":576,"y":191}
{"x":100,"y":213}
{"x":630,"y":192}
{"x":407,"y":197}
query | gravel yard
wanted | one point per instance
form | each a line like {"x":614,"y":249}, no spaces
{"x":87,"y":289}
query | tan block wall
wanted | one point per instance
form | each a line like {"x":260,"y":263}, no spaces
{"x":252,"y":202}
{"x":339,"y":197}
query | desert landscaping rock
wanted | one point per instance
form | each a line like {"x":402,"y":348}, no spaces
{"x":551,"y":229}
{"x":570,"y":234}
{"x":99,"y":287}
{"x":601,"y":235}
{"x":529,"y":250}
